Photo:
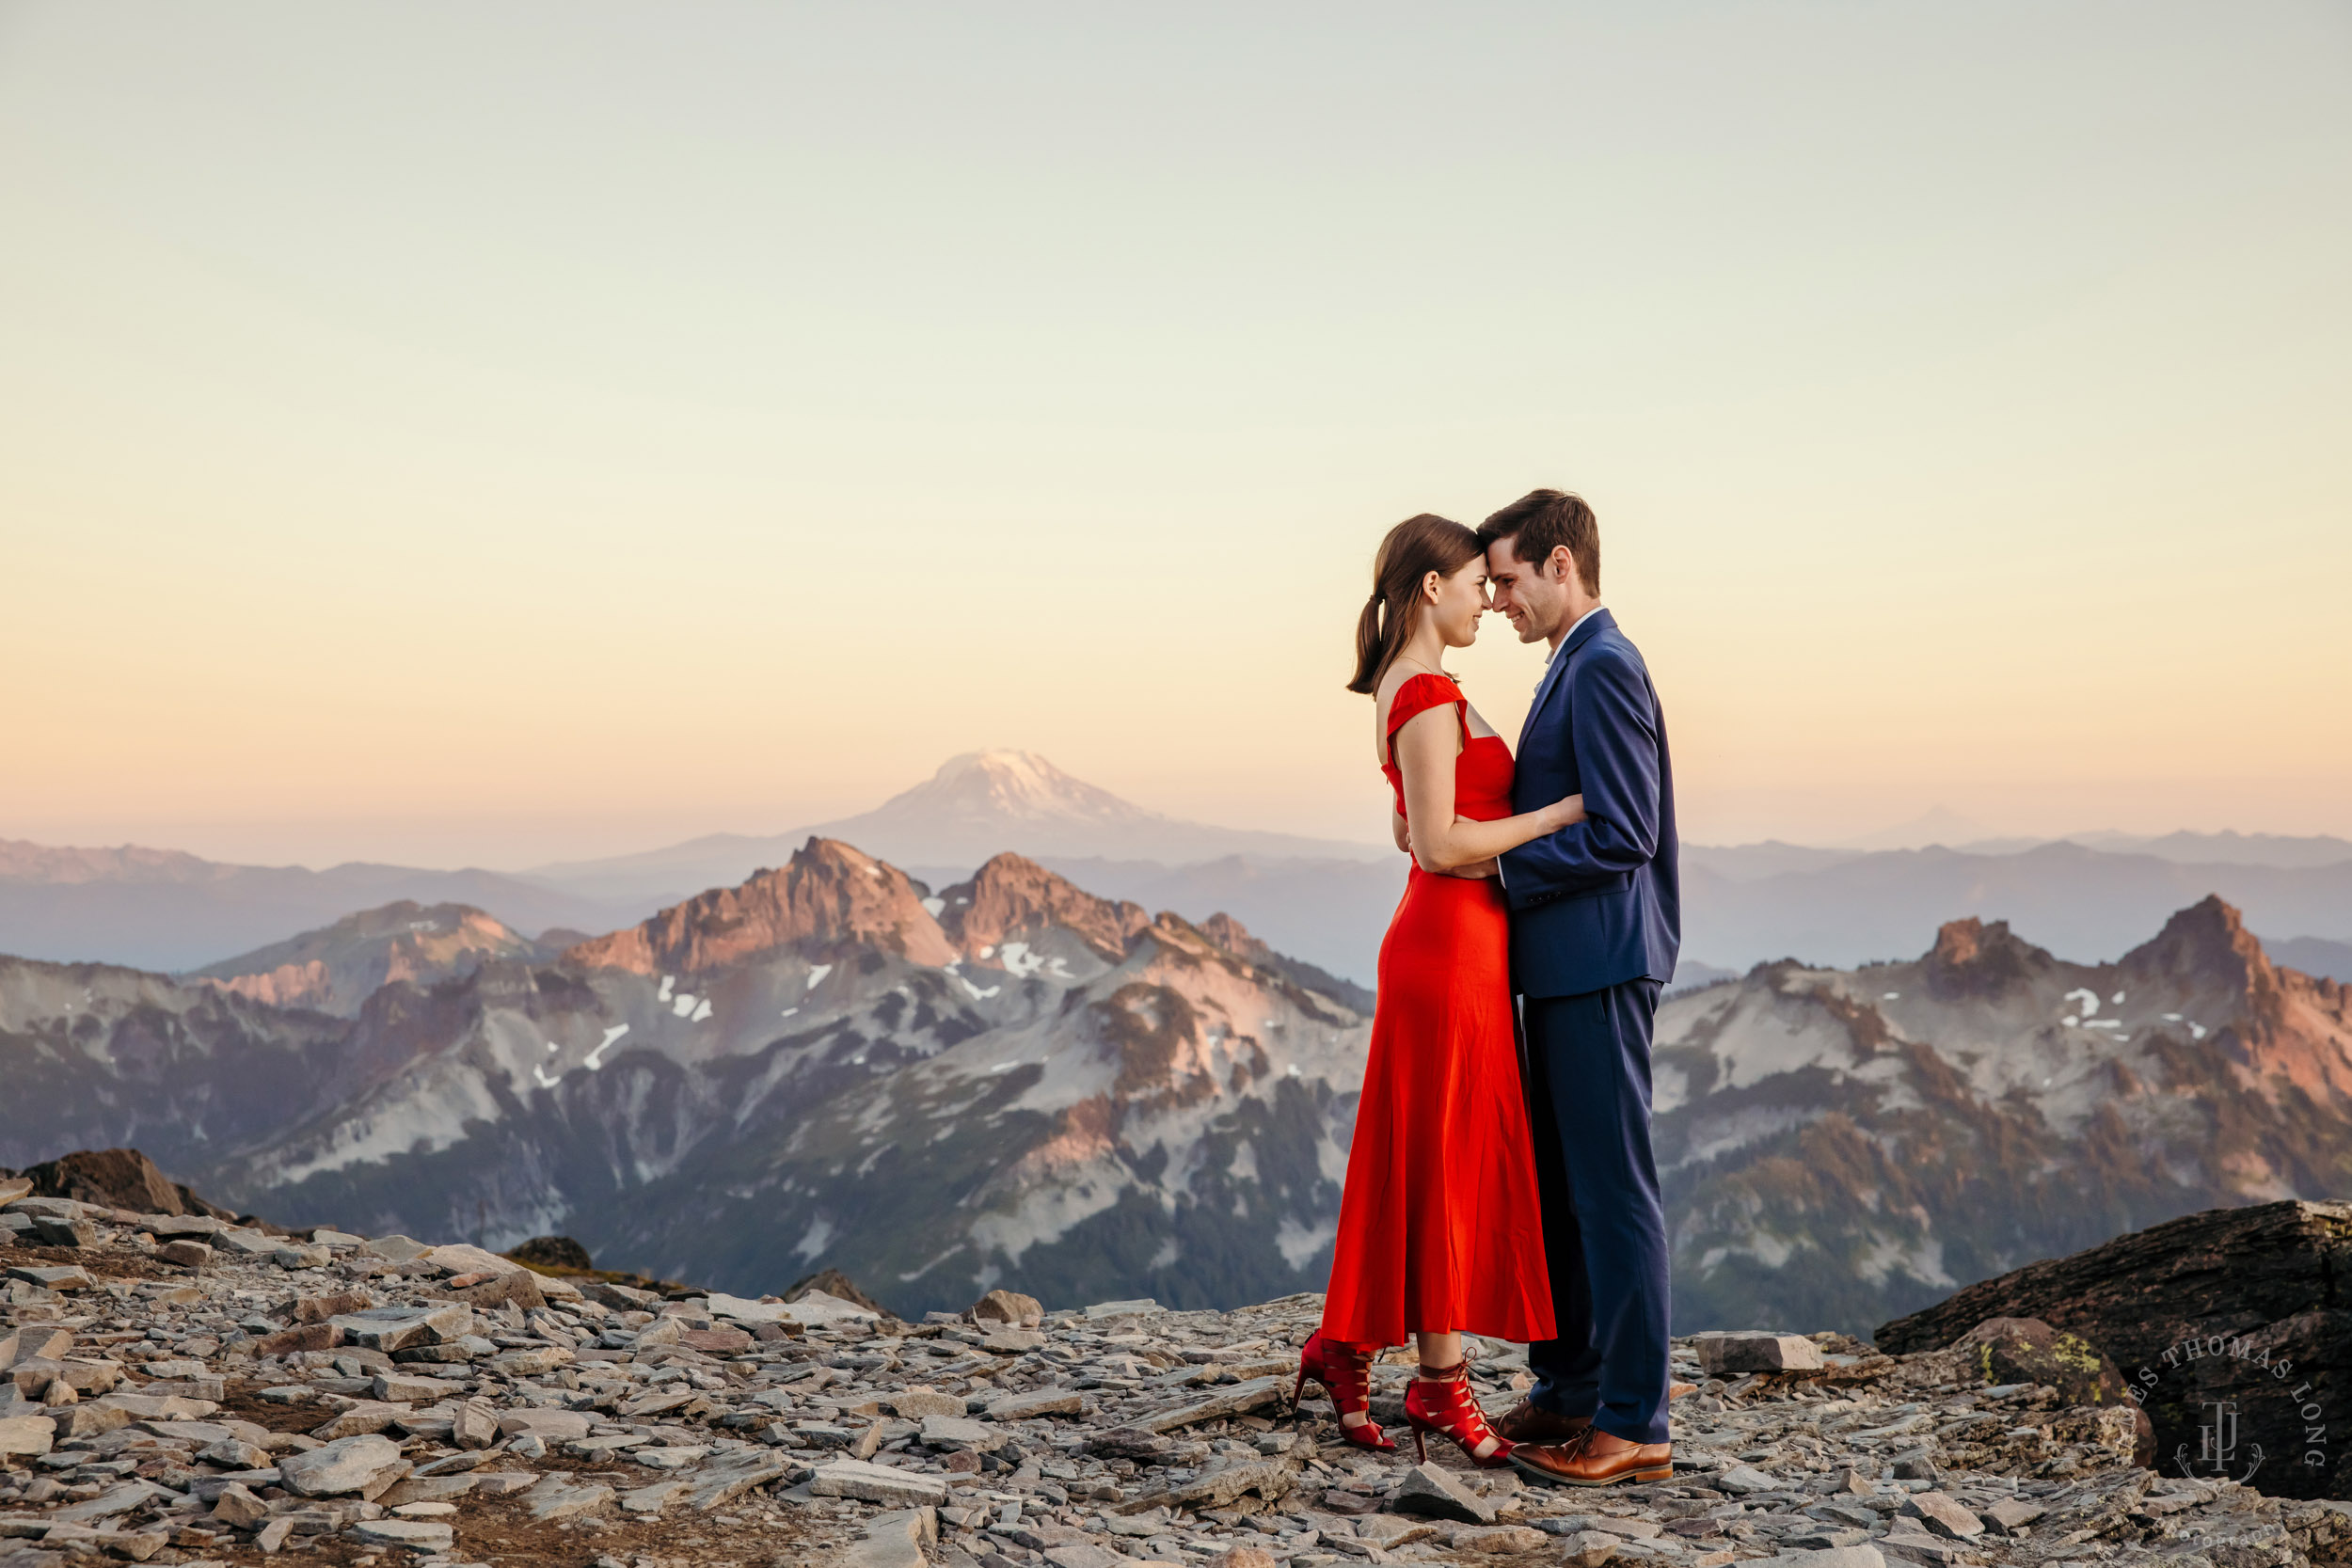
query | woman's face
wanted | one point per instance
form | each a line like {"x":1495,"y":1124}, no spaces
{"x":1459,"y":601}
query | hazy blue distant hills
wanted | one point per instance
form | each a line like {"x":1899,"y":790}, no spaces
{"x":2229,"y":848}
{"x":2083,"y":903}
{"x":2316,"y":956}
{"x":163,"y":910}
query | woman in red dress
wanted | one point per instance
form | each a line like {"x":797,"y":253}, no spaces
{"x":1440,"y":1231}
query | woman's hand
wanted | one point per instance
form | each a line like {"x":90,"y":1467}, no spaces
{"x":1477,"y":869}
{"x":1564,"y":813}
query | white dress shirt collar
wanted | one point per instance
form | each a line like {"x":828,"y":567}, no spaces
{"x":1569,"y":633}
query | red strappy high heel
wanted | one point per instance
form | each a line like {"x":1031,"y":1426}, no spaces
{"x":1345,"y":1373}
{"x":1439,"y":1401}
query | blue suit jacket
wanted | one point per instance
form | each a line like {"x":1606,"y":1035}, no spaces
{"x":1601,"y":902}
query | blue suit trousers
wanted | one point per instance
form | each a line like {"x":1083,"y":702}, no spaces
{"x":1588,"y":1085}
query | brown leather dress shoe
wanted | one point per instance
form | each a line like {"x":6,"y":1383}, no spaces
{"x":1528,"y":1422}
{"x":1597,"y":1458}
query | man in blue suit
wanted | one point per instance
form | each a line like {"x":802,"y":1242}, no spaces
{"x":1596,"y":922}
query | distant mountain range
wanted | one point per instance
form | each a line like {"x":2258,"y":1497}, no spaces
{"x":1010,"y":1080}
{"x":336,"y":970}
{"x":1327,"y":901}
{"x":977,"y":805}
{"x":1014,"y":1081}
{"x":1842,"y":1146}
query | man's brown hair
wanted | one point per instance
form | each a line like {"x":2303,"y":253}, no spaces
{"x":1542,"y":520}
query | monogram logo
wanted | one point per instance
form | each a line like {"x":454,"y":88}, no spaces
{"x":2216,"y":1448}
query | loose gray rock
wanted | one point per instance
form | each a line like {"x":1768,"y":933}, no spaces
{"x":1032,"y":1405}
{"x":878,"y":1484}
{"x":1429,"y":1493}
{"x":1757,"y":1353}
{"x":2011,"y":1515}
{"x":561,"y":1496}
{"x":31,"y":1436}
{"x":1942,"y":1516}
{"x":238,"y":1508}
{"x":423,"y":1534}
{"x":1837,"y":1557}
{"x":955,"y":1432}
{"x":1745,"y":1480}
{"x":346,"y":1467}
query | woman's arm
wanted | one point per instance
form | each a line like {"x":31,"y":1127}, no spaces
{"x":1425,"y":747}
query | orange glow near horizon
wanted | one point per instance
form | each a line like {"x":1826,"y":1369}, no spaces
{"x":507,"y":437}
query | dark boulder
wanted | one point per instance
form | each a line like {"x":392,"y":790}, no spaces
{"x":552,"y":1252}
{"x":2027,"y":1349}
{"x":2230,"y":1328}
{"x":118,"y":1179}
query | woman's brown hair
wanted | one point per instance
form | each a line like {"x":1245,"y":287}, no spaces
{"x":1413,"y":549}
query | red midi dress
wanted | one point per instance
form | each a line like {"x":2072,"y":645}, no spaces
{"x":1440,"y":1225}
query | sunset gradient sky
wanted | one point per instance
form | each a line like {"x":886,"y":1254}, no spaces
{"x":460,"y":434}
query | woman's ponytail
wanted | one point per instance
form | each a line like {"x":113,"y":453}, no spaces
{"x":1413,"y":549}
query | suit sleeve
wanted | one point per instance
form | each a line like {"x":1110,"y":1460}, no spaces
{"x":1617,"y":759}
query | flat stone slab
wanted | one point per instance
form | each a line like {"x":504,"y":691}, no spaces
{"x":1514,"y":1539}
{"x":392,"y":1328}
{"x":1743,"y":1479}
{"x":424,"y":1534}
{"x":556,"y":1426}
{"x":159,"y":1407}
{"x":395,"y":1387}
{"x":913,"y":1406}
{"x":877,"y":1483}
{"x":31,"y":1436}
{"x":654,"y":1499}
{"x":1835,"y":1557}
{"x":958,"y":1431}
{"x":345,"y":1467}
{"x":1235,"y":1401}
{"x":728,"y":1476}
{"x":1218,"y":1486}
{"x":743,"y":1311}
{"x":817,"y":1310}
{"x":1757,"y":1353}
{"x":664,"y":1457}
{"x":70,"y":1278}
{"x":1943,"y":1516}
{"x":559,"y":1497}
{"x":1029,"y":1406}
{"x":124,"y":1498}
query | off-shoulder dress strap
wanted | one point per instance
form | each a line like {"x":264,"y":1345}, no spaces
{"x":1422,"y":693}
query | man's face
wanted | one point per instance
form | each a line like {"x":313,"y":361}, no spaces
{"x":1533,"y":597}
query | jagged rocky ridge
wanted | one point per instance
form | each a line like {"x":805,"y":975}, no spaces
{"x":181,"y":1390}
{"x":1842,"y":1147}
{"x":336,"y":969}
{"x":828,"y":1064}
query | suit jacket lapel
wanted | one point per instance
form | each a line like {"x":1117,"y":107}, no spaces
{"x":1592,"y":625}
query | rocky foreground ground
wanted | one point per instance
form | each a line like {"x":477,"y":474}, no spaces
{"x":181,"y":1390}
